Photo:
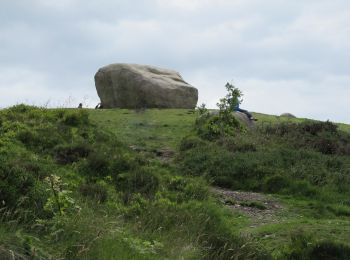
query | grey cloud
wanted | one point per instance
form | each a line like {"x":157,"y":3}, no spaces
{"x":269,"y":47}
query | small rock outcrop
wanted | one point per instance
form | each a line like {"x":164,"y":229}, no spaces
{"x":245,"y":121}
{"x":289,"y":115}
{"x":141,"y":86}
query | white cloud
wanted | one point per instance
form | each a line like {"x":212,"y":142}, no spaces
{"x":20,"y":85}
{"x":57,"y":5}
{"x":285,"y":55}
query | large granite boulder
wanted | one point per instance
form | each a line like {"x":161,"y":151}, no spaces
{"x":140,"y":86}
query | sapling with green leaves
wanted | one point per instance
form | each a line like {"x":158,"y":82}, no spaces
{"x":231,"y":100}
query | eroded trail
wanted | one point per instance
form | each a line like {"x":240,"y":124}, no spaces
{"x":261,"y":208}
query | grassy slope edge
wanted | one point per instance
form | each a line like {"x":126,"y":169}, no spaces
{"x":114,"y":184}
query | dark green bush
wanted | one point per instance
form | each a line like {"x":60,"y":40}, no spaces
{"x":210,"y":227}
{"x":69,"y":153}
{"x":237,"y":144}
{"x":76,"y":118}
{"x":319,"y":136}
{"x":278,"y":169}
{"x":141,"y":180}
{"x":304,"y":246}
{"x":315,"y":127}
{"x":97,"y":164}
{"x":330,"y":250}
{"x":20,"y":109}
{"x":212,"y":126}
{"x":276,"y":183}
{"x":104,"y":161}
{"x":297,"y":129}
{"x":190,"y":142}
{"x":340,"y":210}
{"x":181,"y":189}
{"x":303,"y":188}
{"x":94,"y":191}
{"x":21,"y":181}
{"x":326,"y":144}
{"x":300,"y":246}
{"x":209,"y":161}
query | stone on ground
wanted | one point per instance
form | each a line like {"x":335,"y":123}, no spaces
{"x":141,"y":86}
{"x":243,"y":118}
{"x":289,"y":115}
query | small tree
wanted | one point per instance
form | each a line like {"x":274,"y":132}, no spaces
{"x":231,"y":100}
{"x":211,"y":126}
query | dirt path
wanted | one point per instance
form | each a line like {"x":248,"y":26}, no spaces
{"x":261,"y":208}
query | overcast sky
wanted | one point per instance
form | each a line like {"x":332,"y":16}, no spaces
{"x":286,"y":56}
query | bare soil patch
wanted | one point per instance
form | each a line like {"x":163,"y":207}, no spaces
{"x":261,"y":208}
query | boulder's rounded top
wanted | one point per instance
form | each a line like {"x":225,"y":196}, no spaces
{"x":139,"y":68}
{"x":164,"y":77}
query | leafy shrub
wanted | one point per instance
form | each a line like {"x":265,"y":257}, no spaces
{"x":61,"y":201}
{"x":211,"y":126}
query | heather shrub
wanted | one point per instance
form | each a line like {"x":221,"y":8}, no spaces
{"x":94,"y":191}
{"x":69,"y":153}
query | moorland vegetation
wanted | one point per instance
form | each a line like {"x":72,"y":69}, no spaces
{"x":124,"y":184}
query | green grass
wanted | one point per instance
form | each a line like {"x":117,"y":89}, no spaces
{"x":318,"y":221}
{"x":264,"y":119}
{"x":150,"y":129}
{"x":163,"y":128}
{"x":117,"y":199}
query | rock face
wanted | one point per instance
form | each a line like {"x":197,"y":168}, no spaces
{"x":244,"y":119}
{"x":140,"y":86}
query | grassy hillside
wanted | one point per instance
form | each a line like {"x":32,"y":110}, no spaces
{"x":124,"y":184}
